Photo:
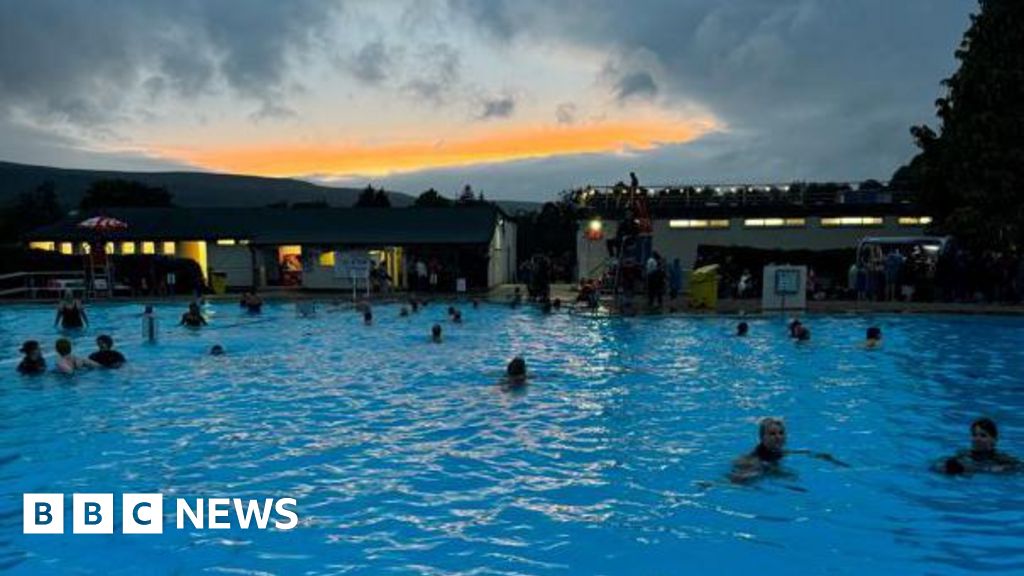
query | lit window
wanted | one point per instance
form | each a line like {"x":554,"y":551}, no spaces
{"x":67,"y":248}
{"x":915,"y":220}
{"x":327,"y":259}
{"x":851,"y":221}
{"x":243,"y":242}
{"x":148,"y":248}
{"x":127,"y":247}
{"x":85,"y":248}
{"x":225,"y":242}
{"x":698,"y":223}
{"x":774,"y":222}
{"x":168,"y":248}
{"x":108,"y":247}
{"x":48,"y":246}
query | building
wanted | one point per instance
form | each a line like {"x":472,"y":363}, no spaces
{"x":305,"y":247}
{"x":764,"y":217}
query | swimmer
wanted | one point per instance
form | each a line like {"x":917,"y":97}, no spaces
{"x":67,"y":362}
{"x":403,"y":312}
{"x":106,"y":356}
{"x":983,"y":456}
{"x":193,"y":318}
{"x":149,"y":324}
{"x":794,"y":325}
{"x":216,"y":350}
{"x":515,"y":373}
{"x":766,"y":457}
{"x":457,"y":317}
{"x":451,"y":311}
{"x":252,"y":303}
{"x":70,"y":313}
{"x":742,"y":328}
{"x":517,"y":297}
{"x":874,"y":337}
{"x":415,"y":305}
{"x":367,"y":317}
{"x":435,"y":333}
{"x":801,"y":333}
{"x":33,"y":362}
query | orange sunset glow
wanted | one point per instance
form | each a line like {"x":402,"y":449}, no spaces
{"x":496,"y":146}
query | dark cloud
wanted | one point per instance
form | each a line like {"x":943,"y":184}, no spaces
{"x":565,"y":113}
{"x":440,"y":67}
{"x":812,"y":88}
{"x":636,"y":85}
{"x":372,"y":64}
{"x":501,"y":107}
{"x":83,"y":60}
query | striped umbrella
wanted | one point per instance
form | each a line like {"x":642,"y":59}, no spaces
{"x":103,"y":224}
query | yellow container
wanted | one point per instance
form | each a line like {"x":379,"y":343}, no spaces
{"x":219,"y":282}
{"x":703,"y":287}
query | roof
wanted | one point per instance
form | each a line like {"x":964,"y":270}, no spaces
{"x":357,"y":226}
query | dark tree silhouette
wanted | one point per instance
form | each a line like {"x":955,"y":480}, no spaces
{"x":124,"y":193}
{"x":371,"y":197}
{"x":970,"y":174}
{"x":432,"y":198}
{"x":31,"y":210}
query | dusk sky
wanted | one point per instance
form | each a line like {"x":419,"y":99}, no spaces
{"x":520,"y":99}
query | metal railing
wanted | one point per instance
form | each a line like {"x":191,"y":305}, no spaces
{"x":48,"y":284}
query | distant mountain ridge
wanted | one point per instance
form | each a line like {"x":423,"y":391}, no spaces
{"x":193,"y":189}
{"x":198,"y":189}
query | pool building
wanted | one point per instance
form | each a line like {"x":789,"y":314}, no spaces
{"x":309,"y":248}
{"x":773,"y":217}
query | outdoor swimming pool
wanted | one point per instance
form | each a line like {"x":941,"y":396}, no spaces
{"x":405,"y":457}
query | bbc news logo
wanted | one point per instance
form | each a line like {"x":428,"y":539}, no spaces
{"x":144,"y":513}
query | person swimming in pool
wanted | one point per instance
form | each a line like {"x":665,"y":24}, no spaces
{"x":742,"y":328}
{"x":70,"y":313}
{"x":874,"y":337}
{"x":106,"y":356}
{"x":67,"y":362}
{"x":368,"y":317}
{"x":33,"y":362}
{"x":251,"y":302}
{"x":216,"y":350}
{"x":403,"y":312}
{"x":193,"y":318}
{"x":801,"y":333}
{"x":457,"y":317}
{"x":765,"y":459}
{"x":435,"y":333}
{"x":794,"y":325}
{"x":983,"y":456}
{"x":515,"y":373}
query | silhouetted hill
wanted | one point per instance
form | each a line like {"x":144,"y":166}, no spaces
{"x":197,"y":189}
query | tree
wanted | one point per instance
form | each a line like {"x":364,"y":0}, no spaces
{"x":432,"y":198}
{"x":467,"y":196}
{"x":970,"y":174}
{"x":372,"y":198}
{"x":124,"y":193}
{"x":31,"y":210}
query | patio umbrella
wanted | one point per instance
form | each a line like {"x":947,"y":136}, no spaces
{"x":103,"y":224}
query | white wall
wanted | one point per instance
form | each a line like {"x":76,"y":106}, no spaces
{"x":235,"y":261}
{"x":502,"y":253}
{"x":682,"y":242}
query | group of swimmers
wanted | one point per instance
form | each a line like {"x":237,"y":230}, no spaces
{"x":766,"y":457}
{"x":105,"y":356}
{"x":799,"y":332}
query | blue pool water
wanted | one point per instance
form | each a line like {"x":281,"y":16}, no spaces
{"x":406,"y":457}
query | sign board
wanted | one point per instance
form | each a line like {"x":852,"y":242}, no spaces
{"x":352,"y":264}
{"x":787,"y":281}
{"x":782,"y":288}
